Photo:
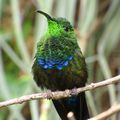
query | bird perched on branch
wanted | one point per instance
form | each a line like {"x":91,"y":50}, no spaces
{"x":59,"y":65}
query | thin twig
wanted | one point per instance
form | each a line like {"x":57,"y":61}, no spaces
{"x":59,"y":94}
{"x":71,"y":116}
{"x":107,"y":113}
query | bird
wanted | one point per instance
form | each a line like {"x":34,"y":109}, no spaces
{"x":59,"y":65}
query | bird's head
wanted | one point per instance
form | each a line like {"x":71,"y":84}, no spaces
{"x":57,"y":46}
{"x":57,"y":26}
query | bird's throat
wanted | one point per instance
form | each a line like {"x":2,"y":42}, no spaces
{"x":54,"y":29}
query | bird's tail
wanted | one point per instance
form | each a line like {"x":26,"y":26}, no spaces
{"x":76,"y":104}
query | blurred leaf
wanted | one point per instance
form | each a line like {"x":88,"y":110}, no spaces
{"x":17,"y":84}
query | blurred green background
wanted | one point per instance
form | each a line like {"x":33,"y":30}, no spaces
{"x":97,"y":26}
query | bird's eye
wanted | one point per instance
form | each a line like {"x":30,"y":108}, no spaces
{"x":66,"y":29}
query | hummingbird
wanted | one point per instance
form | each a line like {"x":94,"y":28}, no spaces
{"x":59,"y":65}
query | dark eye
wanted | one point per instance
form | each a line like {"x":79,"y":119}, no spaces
{"x":66,"y":29}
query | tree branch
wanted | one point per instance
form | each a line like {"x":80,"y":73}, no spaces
{"x":107,"y":113}
{"x":59,"y":94}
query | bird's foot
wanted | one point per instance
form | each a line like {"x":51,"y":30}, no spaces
{"x":49,"y":94}
{"x":74,"y":91}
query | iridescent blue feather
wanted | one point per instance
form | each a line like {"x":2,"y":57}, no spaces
{"x":51,"y":63}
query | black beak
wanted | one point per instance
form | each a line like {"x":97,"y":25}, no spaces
{"x":45,"y":14}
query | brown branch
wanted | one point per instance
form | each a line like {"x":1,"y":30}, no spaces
{"x":59,"y":94}
{"x":107,"y":113}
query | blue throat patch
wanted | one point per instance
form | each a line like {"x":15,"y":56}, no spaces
{"x":56,"y":64}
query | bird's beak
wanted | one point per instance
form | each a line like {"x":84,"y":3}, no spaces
{"x":45,"y":14}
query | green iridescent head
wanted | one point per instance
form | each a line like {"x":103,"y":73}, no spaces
{"x":57,"y":26}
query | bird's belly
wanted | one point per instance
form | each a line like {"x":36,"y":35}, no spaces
{"x":61,"y":80}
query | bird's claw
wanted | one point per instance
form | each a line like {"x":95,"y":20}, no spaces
{"x":74,"y":91}
{"x":49,"y":94}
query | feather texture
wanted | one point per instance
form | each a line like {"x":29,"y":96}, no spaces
{"x":59,"y":65}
